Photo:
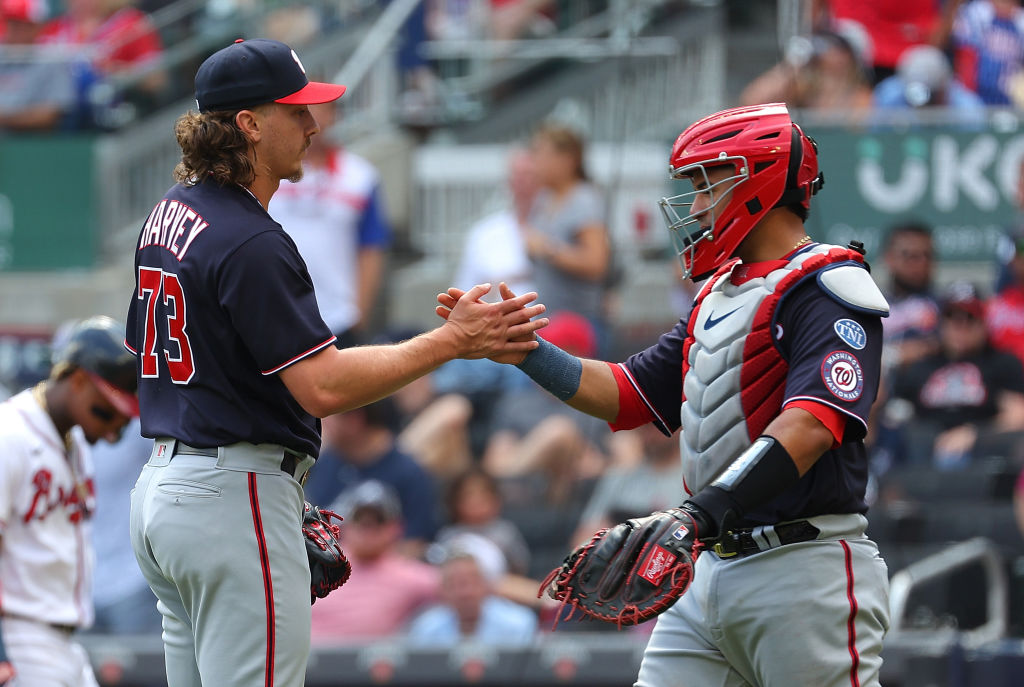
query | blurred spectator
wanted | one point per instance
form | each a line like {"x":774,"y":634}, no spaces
{"x":386,"y":588}
{"x":1018,"y":501}
{"x":336,"y":217}
{"x":893,"y":26}
{"x":358,"y":446}
{"x":910,"y":333}
{"x":567,"y":239}
{"x":436,"y":427}
{"x":469,"y":609}
{"x":119,"y":40}
{"x":37,"y":86}
{"x":512,"y":19}
{"x":125,"y":605}
{"x":534,"y":434}
{"x":1005,"y":312}
{"x":480,"y":384}
{"x":458,"y":19}
{"x":420,"y":87}
{"x":494,"y":250}
{"x":294,"y":23}
{"x":629,"y":491}
{"x":924,"y":79}
{"x":823,"y":72}
{"x":911,"y":330}
{"x":474,"y":506}
{"x":988,"y":37}
{"x":432,"y":424}
{"x":968,"y":398}
{"x":21,"y":11}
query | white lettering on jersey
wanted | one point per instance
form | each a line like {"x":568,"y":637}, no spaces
{"x":151,"y":230}
{"x":193,"y":232}
{"x":179,"y":228}
{"x":167,"y":223}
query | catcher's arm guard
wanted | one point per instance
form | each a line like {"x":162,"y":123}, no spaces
{"x":632,"y":572}
{"x":329,"y":568}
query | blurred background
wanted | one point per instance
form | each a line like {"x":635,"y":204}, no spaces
{"x":458,"y":115}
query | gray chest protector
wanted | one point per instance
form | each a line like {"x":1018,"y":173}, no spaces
{"x":734,"y":377}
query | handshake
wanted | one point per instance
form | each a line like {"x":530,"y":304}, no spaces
{"x":502,"y":331}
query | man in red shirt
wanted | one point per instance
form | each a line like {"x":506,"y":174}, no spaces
{"x":893,"y":26}
{"x":1005,"y":312}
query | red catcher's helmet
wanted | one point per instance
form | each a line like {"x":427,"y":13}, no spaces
{"x":774,"y":165}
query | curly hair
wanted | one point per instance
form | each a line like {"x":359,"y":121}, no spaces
{"x":212,"y":145}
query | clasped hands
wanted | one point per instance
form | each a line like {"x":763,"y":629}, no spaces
{"x":502,"y":331}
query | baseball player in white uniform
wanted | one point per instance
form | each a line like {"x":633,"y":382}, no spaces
{"x":46,"y":498}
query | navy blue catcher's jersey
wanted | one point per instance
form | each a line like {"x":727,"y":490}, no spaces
{"x":818,"y":337}
{"x":222,"y":303}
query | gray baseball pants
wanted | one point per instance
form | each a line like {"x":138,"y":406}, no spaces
{"x":219,"y":540}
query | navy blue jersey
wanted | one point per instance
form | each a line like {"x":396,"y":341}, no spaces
{"x":834,"y":358}
{"x":222,"y":303}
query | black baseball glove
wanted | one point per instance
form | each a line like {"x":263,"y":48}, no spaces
{"x":629,"y":573}
{"x":329,"y":568}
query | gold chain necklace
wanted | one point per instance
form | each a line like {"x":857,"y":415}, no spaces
{"x":806,"y":239}
{"x":39,"y":393}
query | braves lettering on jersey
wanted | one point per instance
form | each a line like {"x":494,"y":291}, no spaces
{"x":761,"y":337}
{"x":46,"y":498}
{"x":221,"y":291}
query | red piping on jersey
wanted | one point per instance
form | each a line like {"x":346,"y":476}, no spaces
{"x":300,"y":356}
{"x":268,"y":585}
{"x":130,"y":349}
{"x":634,"y":408}
{"x":851,"y":625}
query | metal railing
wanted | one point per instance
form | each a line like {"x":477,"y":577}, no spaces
{"x":639,"y":66}
{"x":636,"y":106}
{"x":646,"y":84}
{"x":942,"y":564}
{"x":134,"y":165}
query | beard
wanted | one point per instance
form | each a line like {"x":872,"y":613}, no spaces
{"x":297,"y":176}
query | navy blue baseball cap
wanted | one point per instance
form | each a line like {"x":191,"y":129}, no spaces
{"x":253,"y":72}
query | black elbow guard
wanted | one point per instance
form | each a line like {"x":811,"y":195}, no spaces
{"x":761,"y":473}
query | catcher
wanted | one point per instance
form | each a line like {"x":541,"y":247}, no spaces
{"x":763,"y":575}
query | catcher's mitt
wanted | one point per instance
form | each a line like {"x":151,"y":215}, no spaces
{"x":629,"y":573}
{"x":328,"y":566}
